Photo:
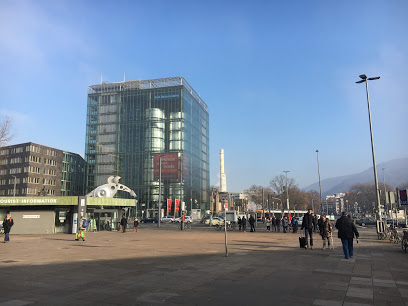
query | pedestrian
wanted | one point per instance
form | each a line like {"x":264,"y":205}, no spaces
{"x":239,"y":223}
{"x":123,"y":222}
{"x":347,"y":231}
{"x":8,"y":222}
{"x":295,"y":225}
{"x":243,"y":221}
{"x":320,"y":223}
{"x":325,"y":231}
{"x":278,"y":223}
{"x":285,"y":224}
{"x":316,"y":220}
{"x":274,"y":223}
{"x":268,"y":224}
{"x":308,"y":224}
{"x":135,"y":224}
{"x":252,"y":223}
{"x":82,"y":225}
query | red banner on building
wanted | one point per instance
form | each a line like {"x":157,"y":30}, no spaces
{"x":170,"y":166}
{"x":177,"y":208}
{"x":169,"y":203}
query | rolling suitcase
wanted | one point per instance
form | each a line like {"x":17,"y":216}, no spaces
{"x":302,"y":242}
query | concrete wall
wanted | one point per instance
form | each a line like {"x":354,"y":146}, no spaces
{"x":33,"y":222}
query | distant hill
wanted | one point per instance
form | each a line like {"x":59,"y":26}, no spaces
{"x":396,"y":173}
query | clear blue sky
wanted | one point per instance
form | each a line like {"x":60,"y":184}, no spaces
{"x":278,"y":76}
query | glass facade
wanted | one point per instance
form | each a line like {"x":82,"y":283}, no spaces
{"x":73,"y":173}
{"x":134,"y":127}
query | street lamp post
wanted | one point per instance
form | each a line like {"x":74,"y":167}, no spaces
{"x":364,"y":78}
{"x":287,"y":193}
{"x":320,"y":185}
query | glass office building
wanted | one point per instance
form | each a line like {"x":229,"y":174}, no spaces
{"x":154,"y":134}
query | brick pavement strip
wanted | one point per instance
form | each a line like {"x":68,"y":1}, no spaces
{"x":156,"y":266}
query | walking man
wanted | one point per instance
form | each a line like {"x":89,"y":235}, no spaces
{"x":274,"y":223}
{"x":123,"y":222}
{"x":239,"y":223}
{"x":347,"y":231}
{"x":308,"y":224}
{"x":243,"y":221}
{"x":278,"y":223}
{"x":7,"y":224}
{"x":252,"y":223}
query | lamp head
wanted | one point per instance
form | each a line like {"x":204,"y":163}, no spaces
{"x":363,"y":76}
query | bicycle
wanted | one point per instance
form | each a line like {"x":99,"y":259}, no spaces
{"x":393,"y":235}
{"x":187,"y":226}
{"x":230,"y":226}
{"x":404,"y":241}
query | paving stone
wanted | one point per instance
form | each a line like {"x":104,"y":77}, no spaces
{"x":404,"y":292}
{"x":327,"y":302}
{"x":359,"y":295}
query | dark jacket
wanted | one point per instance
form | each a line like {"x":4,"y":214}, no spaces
{"x":273,"y":221}
{"x":346,"y":228}
{"x":123,"y":221}
{"x":278,"y":221}
{"x":308,"y":221}
{"x":243,"y":221}
{"x":251,"y":220}
{"x":7,"y":224}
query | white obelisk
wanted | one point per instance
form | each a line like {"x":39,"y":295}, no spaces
{"x":223,"y":178}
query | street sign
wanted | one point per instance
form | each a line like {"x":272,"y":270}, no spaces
{"x":403,"y":197}
{"x":226,"y":205}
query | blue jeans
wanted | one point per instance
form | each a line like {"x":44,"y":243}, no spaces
{"x":309,"y":232}
{"x":6,"y":237}
{"x":347,"y":247}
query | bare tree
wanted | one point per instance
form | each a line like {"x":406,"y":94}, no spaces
{"x":255,"y":194}
{"x":5,"y":130}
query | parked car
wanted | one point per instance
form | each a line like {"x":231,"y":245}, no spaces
{"x":217,"y":221}
{"x":366,"y":221}
{"x":188,"y":220}
{"x":167,"y":219}
{"x":149,"y":220}
{"x":206,"y":220}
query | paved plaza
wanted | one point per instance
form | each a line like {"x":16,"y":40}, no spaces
{"x":167,"y":266}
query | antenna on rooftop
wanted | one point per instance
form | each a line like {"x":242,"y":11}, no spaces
{"x":124,"y":77}
{"x":101,"y":78}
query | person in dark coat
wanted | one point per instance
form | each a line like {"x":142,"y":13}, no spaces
{"x":123,"y":222}
{"x":347,"y":231}
{"x":320,"y":223}
{"x":274,"y":223}
{"x":135,"y":224}
{"x":308,"y":224}
{"x":316,"y":221}
{"x":239,"y":223}
{"x":252,"y":223}
{"x":278,"y":223}
{"x":243,"y":221}
{"x":7,"y":224}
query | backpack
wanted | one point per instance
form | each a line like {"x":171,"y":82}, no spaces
{"x":85,"y":223}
